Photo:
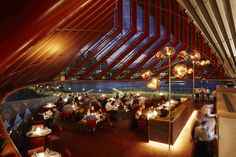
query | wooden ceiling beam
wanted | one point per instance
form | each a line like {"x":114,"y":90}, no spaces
{"x":120,"y":43}
{"x":133,"y":45}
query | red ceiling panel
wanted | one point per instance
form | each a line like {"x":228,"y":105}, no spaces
{"x":40,"y":38}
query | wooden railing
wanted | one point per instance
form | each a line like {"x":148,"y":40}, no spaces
{"x":9,"y":150}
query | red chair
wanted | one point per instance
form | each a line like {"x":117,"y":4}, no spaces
{"x":142,"y":124}
{"x":143,"y":128}
{"x":57,"y":135}
{"x":67,"y":152}
{"x":136,"y":107}
{"x":91,"y":124}
{"x":35,"y":150}
{"x":66,"y":115}
{"x":37,"y":122}
{"x":37,"y":142}
{"x":103,"y":110}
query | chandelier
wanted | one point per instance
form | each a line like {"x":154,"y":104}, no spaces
{"x":179,"y":69}
{"x":146,"y":74}
{"x":154,"y":83}
{"x":195,"y":55}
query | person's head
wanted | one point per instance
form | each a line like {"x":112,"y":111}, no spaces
{"x":54,"y":110}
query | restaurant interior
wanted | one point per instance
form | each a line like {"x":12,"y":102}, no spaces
{"x":117,"y":78}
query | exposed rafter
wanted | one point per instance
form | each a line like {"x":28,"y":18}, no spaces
{"x":109,"y":40}
{"x":216,"y":21}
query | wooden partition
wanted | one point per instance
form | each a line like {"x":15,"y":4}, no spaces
{"x":159,"y":127}
{"x":226,"y":120}
{"x":9,"y":150}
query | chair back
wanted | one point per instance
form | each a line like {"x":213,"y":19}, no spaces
{"x":67,"y":152}
{"x":142,"y":124}
{"x":59,"y":128}
{"x":103,"y":110}
{"x":35,"y":150}
{"x":136,"y":107}
{"x":91,"y":123}
{"x":66,"y":114}
{"x":37,"y":142}
{"x":37,"y":122}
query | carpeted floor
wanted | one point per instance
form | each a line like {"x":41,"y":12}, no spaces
{"x":121,"y":141}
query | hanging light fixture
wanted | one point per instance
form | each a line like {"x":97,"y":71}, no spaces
{"x":180,"y":70}
{"x":160,"y":55}
{"x":146,"y":74}
{"x":195,"y":55}
{"x":154,"y":83}
{"x":184,"y":55}
{"x":207,"y":62}
{"x":155,"y":80}
{"x":203,"y":62}
{"x":151,"y":85}
{"x":169,"y":50}
{"x":190,"y":70}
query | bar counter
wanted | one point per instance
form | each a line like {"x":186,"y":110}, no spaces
{"x":158,"y":128}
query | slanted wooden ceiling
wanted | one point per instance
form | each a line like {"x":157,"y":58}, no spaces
{"x":217,"y":21}
{"x":91,"y":40}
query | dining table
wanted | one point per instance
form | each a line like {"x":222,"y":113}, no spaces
{"x":38,"y":132}
{"x":49,"y":105}
{"x":47,"y":153}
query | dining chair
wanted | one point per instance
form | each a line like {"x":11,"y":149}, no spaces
{"x":37,"y":142}
{"x":91,"y":125}
{"x":66,"y":115}
{"x":67,"y":152}
{"x":142,"y":124}
{"x":37,"y":122}
{"x":57,"y":135}
{"x":35,"y":150}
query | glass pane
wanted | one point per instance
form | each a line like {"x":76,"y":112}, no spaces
{"x":126,"y":14}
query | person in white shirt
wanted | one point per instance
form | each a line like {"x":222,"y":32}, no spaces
{"x":203,"y":133}
{"x":207,"y":93}
{"x":68,"y":108}
{"x":108,"y":106}
{"x":203,"y":137}
{"x":206,"y":110}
